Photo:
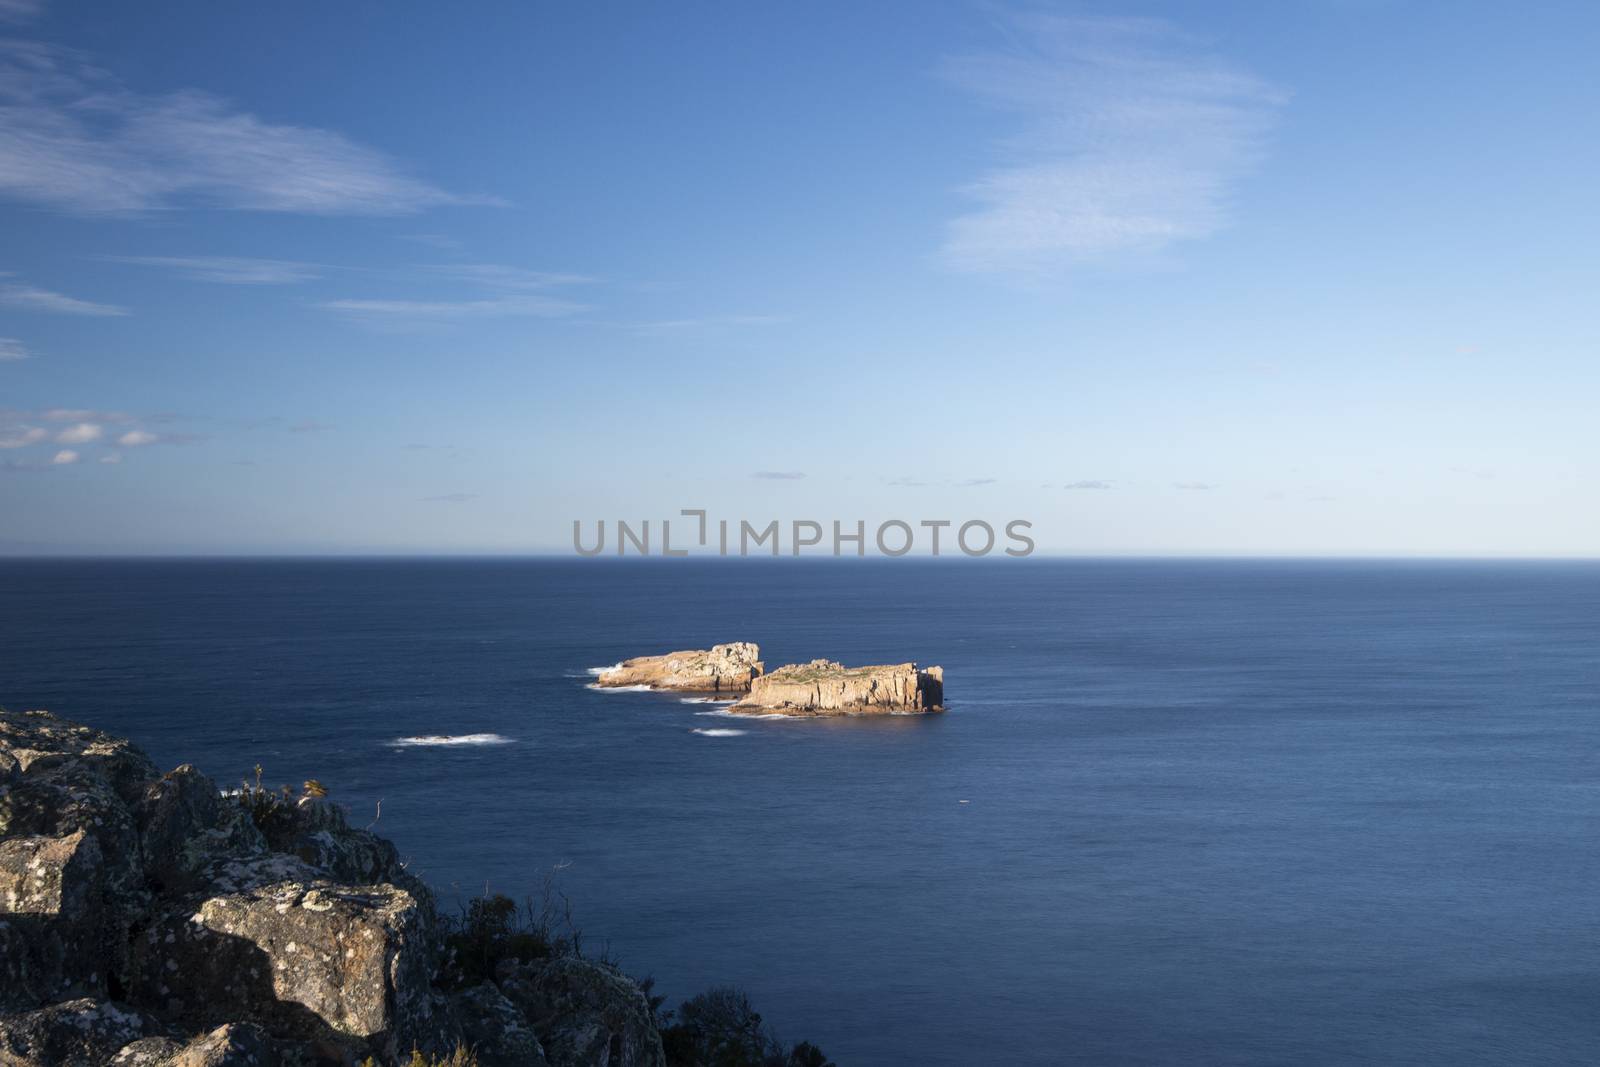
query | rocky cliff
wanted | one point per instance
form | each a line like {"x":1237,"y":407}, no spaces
{"x":823,"y":687}
{"x":150,"y":920}
{"x":721,"y":669}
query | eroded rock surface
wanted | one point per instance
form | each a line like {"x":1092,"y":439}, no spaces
{"x":586,"y":1013}
{"x":150,"y":920}
{"x":722,"y":669}
{"x":823,"y":687}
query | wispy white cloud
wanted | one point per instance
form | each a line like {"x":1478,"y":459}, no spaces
{"x":309,"y":426}
{"x":83,"y":415}
{"x":498,"y":276}
{"x":779,"y":476}
{"x":32,"y":298}
{"x":80,"y":434}
{"x":1087,"y":483}
{"x":501,"y":291}
{"x":111,"y":458}
{"x":443,"y":242}
{"x":969,"y":483}
{"x":1133,"y":137}
{"x":1193,"y":485}
{"x":12,"y":350}
{"x":229,"y":270}
{"x":64,"y":457}
{"x":544,"y":307}
{"x":73,"y":138}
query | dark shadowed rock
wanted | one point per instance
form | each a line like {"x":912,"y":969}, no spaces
{"x":316,"y":960}
{"x":51,"y":918}
{"x":587,"y":1014}
{"x":186,"y":826}
{"x":147,"y":1052}
{"x":75,"y":1033}
{"x":495,"y":1029}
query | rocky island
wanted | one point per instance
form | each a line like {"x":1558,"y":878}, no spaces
{"x":154,"y":920}
{"x":726,"y":668}
{"x":823,"y":687}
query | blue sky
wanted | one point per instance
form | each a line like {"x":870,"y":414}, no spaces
{"x":1313,"y":277}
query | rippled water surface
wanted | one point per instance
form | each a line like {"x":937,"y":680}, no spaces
{"x":1178,"y":812}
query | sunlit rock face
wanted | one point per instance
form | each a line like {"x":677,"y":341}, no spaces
{"x":726,"y":668}
{"x":823,"y":687}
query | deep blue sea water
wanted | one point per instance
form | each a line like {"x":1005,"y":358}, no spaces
{"x":1224,"y":812}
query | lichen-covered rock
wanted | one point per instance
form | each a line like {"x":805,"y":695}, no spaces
{"x":495,"y":1029}
{"x":186,"y":826}
{"x":232,"y":1045}
{"x":587,"y":1014}
{"x":721,"y":669}
{"x":68,"y":778}
{"x":823,"y":687}
{"x":71,"y":881}
{"x":313,"y":960}
{"x":75,"y":1033}
{"x":147,"y":1052}
{"x":49,"y":875}
{"x":36,"y":740}
{"x":51,"y":912}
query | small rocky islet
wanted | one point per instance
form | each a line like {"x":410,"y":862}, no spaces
{"x":821,"y":687}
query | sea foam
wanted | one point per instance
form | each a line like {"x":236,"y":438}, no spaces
{"x":720,"y":733}
{"x":598,"y":688}
{"x":450,"y":739}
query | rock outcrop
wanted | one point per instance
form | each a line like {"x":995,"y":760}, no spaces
{"x":151,"y":920}
{"x":823,"y":687}
{"x":721,"y":669}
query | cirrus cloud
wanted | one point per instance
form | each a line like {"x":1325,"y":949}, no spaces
{"x":1132,"y":139}
{"x":32,"y":298}
{"x":74,"y":138}
{"x":228,"y":270}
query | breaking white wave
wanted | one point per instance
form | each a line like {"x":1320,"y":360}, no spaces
{"x":720,"y":733}
{"x":618,"y":688}
{"x":709,"y":700}
{"x":450,"y":739}
{"x":598,"y":671}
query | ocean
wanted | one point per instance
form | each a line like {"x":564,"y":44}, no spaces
{"x":1177,"y":811}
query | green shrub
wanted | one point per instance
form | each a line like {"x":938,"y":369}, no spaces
{"x":281,"y":815}
{"x":492,"y":929}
